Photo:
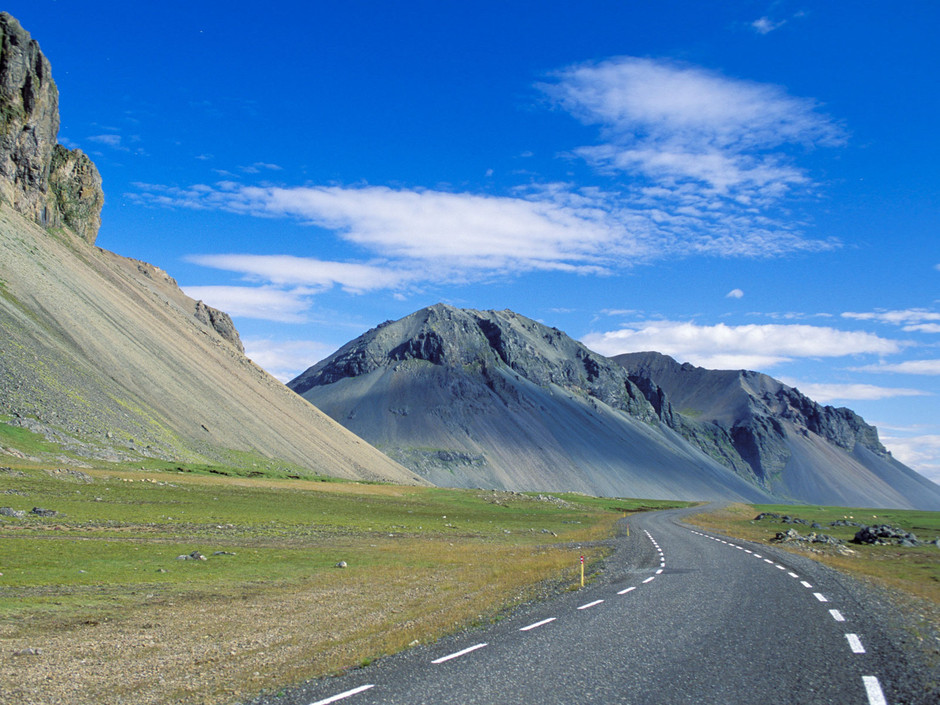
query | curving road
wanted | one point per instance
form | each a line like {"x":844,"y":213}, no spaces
{"x":680,"y":616}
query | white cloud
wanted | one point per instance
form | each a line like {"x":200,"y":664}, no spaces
{"x":825,"y":393}
{"x":920,"y":320}
{"x":113,"y":141}
{"x":677,"y":123}
{"x":288,"y":270}
{"x":472,"y":230}
{"x":765,"y":25}
{"x":735,"y":294}
{"x":264,"y":302}
{"x":909,"y":367}
{"x":919,"y":452}
{"x":738,"y":347}
{"x":285,"y":359}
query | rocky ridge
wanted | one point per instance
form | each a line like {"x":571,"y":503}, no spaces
{"x":494,"y":399}
{"x":776,"y":436}
{"x":49,"y":184}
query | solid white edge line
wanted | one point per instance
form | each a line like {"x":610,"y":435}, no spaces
{"x":537,"y":624}
{"x":624,"y":592}
{"x":873,"y":689}
{"x":341,"y":696}
{"x":459,"y":653}
{"x":590,"y":604}
{"x":652,"y":577}
{"x":837,"y":615}
{"x":855,"y":644}
{"x":819,"y":596}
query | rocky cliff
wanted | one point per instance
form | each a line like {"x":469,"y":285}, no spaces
{"x":49,"y":184}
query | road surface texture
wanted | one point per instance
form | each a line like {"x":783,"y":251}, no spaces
{"x":678,"y":616}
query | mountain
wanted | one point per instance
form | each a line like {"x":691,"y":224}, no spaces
{"x":105,"y":355}
{"x":493,"y":399}
{"x":789,"y":444}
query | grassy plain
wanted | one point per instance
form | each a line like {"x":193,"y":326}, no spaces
{"x":913,"y":570}
{"x":98,"y":592}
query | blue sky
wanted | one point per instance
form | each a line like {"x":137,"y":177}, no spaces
{"x":749,"y":184}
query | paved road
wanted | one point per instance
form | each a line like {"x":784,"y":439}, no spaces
{"x":680,"y":616}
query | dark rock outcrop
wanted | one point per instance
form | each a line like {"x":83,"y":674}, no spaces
{"x":221,"y":322}
{"x":49,"y":184}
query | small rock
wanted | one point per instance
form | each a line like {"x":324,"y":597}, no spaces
{"x":30,"y":651}
{"x":223,"y":553}
{"x":40,"y":512}
{"x":10,"y":512}
{"x":341,"y":564}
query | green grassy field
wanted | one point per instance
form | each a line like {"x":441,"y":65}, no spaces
{"x":913,"y":570}
{"x":100,"y":584}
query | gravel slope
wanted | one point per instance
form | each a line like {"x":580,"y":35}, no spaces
{"x":105,"y":354}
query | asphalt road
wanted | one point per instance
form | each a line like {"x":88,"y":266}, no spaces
{"x":679,"y":616}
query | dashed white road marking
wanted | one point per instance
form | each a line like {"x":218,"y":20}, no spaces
{"x":757,"y":555}
{"x":459,"y":653}
{"x":767,"y":560}
{"x":537,"y":624}
{"x":342,"y":696}
{"x":819,"y":596}
{"x":779,"y":567}
{"x":590,"y":604}
{"x":658,"y":572}
{"x":855,"y":644}
{"x":793,"y":575}
{"x":624,"y":592}
{"x":652,"y":577}
{"x":805,"y":584}
{"x":873,"y":689}
{"x":837,"y":615}
{"x":747,"y":550}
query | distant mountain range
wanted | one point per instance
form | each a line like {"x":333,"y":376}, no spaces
{"x":104,"y":355}
{"x":493,"y":399}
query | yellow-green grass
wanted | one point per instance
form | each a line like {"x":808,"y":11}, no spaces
{"x":913,"y":570}
{"x":100,"y":589}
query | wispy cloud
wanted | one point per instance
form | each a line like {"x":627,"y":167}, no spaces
{"x":825,"y":393}
{"x":113,"y":141}
{"x":908,"y":367}
{"x":680,"y":124}
{"x":919,"y":452}
{"x":288,"y":270}
{"x":765,"y":25}
{"x":285,"y":359}
{"x":919,"y":320}
{"x":735,"y":294}
{"x":264,"y":302}
{"x":738,"y":347}
{"x":707,"y":158}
